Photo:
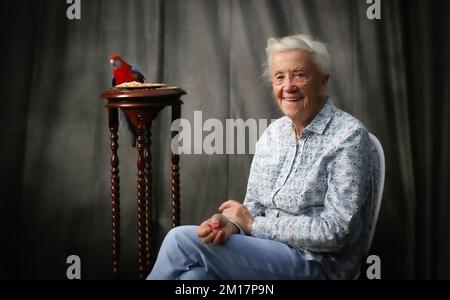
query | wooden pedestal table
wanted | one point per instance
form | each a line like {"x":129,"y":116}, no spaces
{"x":141,"y":106}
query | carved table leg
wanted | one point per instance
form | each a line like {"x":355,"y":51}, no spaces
{"x":148,"y":196}
{"x":141,"y":193}
{"x":115,"y":190}
{"x":176,"y":114}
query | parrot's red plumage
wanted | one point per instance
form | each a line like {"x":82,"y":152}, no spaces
{"x":123,"y":72}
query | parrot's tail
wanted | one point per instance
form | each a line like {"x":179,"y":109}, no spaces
{"x":127,"y":127}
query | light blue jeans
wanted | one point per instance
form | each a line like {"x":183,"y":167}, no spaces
{"x":183,"y":255}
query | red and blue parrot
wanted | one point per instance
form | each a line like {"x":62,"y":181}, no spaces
{"x":123,"y":72}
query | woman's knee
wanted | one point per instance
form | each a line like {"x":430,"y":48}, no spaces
{"x":181,"y":234}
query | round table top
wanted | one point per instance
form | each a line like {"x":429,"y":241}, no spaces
{"x":141,"y":94}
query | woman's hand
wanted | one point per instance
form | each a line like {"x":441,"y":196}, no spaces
{"x":216,"y":230}
{"x":239,"y":213}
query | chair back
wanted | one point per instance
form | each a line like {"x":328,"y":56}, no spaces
{"x":377,"y":205}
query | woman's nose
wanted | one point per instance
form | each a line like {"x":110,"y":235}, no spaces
{"x":289,"y":85}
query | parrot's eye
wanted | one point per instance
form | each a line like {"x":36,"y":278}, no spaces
{"x":115,"y":63}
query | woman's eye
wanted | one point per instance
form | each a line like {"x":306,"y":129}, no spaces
{"x":279,"y":78}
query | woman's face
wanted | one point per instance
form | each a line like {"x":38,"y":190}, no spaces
{"x":298,"y":84}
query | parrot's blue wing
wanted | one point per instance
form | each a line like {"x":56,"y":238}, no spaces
{"x":138,"y":73}
{"x":114,"y":81}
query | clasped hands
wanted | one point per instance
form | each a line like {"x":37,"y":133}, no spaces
{"x":217,"y":229}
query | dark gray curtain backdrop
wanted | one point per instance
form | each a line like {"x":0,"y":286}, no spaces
{"x":393,"y":74}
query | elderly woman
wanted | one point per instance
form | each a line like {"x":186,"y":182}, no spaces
{"x":309,"y":194}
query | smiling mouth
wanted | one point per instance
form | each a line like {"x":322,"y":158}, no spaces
{"x":292,"y":99}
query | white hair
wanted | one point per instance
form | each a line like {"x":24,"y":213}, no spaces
{"x":321,"y":57}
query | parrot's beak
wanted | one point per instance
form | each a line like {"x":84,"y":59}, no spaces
{"x":111,"y":61}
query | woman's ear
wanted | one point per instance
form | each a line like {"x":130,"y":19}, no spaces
{"x":323,"y":83}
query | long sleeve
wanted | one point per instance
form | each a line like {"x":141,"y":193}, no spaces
{"x":254,"y":193}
